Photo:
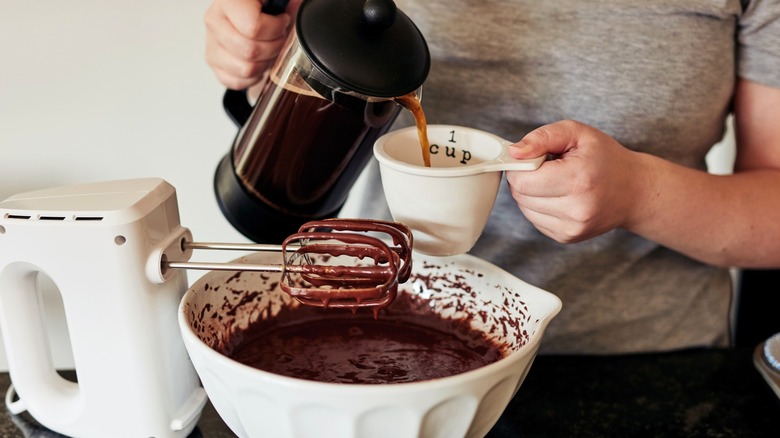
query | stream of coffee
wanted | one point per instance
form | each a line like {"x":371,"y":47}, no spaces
{"x":412,"y":103}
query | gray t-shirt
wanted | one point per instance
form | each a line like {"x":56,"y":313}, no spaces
{"x":658,"y":77}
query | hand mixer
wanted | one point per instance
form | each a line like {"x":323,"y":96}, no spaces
{"x":114,"y":250}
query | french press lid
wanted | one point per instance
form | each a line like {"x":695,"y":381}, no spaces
{"x":367,"y":46}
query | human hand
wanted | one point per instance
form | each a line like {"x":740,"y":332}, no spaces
{"x":242,"y":42}
{"x":592,"y":185}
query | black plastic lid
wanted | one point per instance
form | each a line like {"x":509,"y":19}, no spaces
{"x":367,"y":46}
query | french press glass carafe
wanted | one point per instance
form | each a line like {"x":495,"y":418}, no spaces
{"x":329,"y":96}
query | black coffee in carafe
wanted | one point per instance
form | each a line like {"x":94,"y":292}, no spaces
{"x":329,"y":96}
{"x":298,"y":166}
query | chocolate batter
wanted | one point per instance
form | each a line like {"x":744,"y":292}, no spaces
{"x":426,"y":333}
{"x":399,"y":346}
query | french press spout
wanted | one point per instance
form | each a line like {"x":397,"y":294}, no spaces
{"x":330,"y":94}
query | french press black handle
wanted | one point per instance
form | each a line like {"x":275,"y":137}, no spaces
{"x":274,"y":7}
{"x":236,"y":102}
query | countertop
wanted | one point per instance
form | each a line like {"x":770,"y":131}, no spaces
{"x":690,"y":393}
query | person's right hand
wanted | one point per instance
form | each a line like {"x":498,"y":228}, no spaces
{"x":242,"y":42}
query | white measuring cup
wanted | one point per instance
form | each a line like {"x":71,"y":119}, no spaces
{"x":447,"y":204}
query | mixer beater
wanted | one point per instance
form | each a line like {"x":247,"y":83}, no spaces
{"x":335,"y":263}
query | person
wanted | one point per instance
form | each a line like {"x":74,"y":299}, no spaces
{"x":624,"y":223}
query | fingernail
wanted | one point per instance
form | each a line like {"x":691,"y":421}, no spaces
{"x":520,"y":145}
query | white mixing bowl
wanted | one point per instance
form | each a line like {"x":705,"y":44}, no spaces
{"x":255,"y":403}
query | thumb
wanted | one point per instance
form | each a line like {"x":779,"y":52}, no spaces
{"x":523,"y":150}
{"x":555,"y":138}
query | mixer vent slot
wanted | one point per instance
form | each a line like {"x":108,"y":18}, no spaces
{"x":52,"y":218}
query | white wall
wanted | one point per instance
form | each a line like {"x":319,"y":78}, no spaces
{"x":94,"y":90}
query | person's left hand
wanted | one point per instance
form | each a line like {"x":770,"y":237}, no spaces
{"x":591,"y":185}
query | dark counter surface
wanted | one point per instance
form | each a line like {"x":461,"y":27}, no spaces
{"x":690,"y":393}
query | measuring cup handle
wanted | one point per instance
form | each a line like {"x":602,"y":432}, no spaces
{"x":504,"y":161}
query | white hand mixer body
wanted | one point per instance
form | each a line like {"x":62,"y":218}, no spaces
{"x":101,"y":244}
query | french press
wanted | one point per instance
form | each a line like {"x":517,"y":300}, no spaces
{"x":329,"y":96}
